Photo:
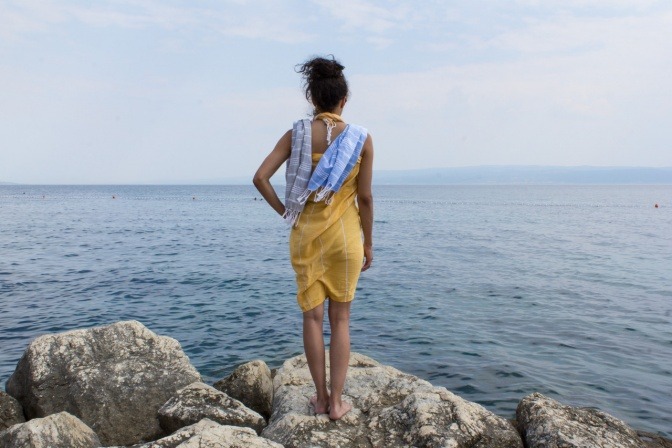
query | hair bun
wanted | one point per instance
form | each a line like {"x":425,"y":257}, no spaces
{"x":321,"y":68}
{"x":324,"y":82}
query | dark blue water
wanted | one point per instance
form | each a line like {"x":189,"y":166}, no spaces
{"x":493,"y":292}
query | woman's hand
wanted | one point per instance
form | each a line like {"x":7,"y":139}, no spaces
{"x":368,"y":257}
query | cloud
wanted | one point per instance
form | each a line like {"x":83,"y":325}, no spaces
{"x":356,"y":15}
{"x":170,"y":86}
{"x":577,"y":91}
{"x":265,"y":19}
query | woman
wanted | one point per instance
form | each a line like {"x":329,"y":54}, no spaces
{"x":329,"y":203}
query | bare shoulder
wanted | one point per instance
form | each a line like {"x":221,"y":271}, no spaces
{"x":368,"y":144}
{"x":287,"y":136}
{"x":284,"y":144}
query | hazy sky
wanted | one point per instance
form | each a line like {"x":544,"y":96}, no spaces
{"x":152,"y":91}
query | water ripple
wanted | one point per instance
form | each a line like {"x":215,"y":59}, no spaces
{"x":492,"y":292}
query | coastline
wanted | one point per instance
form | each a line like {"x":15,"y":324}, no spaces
{"x":81,"y":370}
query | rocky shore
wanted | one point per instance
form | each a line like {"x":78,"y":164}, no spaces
{"x":122,"y":385}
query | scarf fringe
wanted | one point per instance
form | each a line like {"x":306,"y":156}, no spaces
{"x":325,"y":194}
{"x":304,"y":197}
{"x":291,"y":217}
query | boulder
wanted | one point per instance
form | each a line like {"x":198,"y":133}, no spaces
{"x":11,"y":412}
{"x":544,"y":422}
{"x":209,"y":434}
{"x":198,"y":401}
{"x":651,"y":440}
{"x":228,"y":437}
{"x":114,"y":378}
{"x":175,"y":439}
{"x":251,"y":383}
{"x":60,"y":430}
{"x":390,"y":409}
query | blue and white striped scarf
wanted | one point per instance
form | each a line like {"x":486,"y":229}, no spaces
{"x":330,"y":172}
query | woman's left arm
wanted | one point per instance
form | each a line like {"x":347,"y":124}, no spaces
{"x":269,"y":166}
{"x":365,"y":200}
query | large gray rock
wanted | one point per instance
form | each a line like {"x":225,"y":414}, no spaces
{"x":175,"y":439}
{"x":251,"y":383}
{"x":209,"y":434}
{"x":11,"y":412}
{"x":229,"y":437}
{"x":114,"y":378}
{"x":198,"y":401}
{"x":60,"y":430}
{"x":545,"y":422}
{"x":390,"y":409}
{"x":654,"y":440}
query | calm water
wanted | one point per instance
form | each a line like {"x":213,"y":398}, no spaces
{"x":492,"y":292}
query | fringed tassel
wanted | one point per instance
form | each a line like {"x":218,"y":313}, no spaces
{"x":291,"y":217}
{"x":304,"y":197}
{"x":323,"y":192}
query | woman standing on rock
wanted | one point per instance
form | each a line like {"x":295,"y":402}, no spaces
{"x":329,"y":204}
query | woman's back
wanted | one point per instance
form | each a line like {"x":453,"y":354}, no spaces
{"x":319,"y":135}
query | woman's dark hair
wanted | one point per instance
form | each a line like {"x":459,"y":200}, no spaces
{"x":324,"y":82}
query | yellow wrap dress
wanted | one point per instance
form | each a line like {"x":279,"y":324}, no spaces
{"x":326,"y":247}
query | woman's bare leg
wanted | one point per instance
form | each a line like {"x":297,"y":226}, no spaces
{"x":339,"y":356}
{"x":313,"y":345}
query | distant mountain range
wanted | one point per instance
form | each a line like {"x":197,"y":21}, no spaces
{"x":590,"y":175}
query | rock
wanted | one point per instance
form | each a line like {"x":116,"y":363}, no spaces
{"x":228,"y":437}
{"x":209,"y":434}
{"x":179,"y":436}
{"x":60,"y":430}
{"x":198,"y":401}
{"x":651,"y":440}
{"x":11,"y":412}
{"x":544,"y":422}
{"x":390,"y":409}
{"x":114,"y":378}
{"x":251,"y":383}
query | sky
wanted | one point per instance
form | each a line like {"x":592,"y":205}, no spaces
{"x":142,"y":92}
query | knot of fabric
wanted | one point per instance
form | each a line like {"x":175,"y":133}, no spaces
{"x":330,"y":119}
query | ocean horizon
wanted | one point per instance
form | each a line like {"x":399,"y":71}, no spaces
{"x":466,"y":175}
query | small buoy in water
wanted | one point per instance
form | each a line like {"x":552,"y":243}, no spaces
{"x":114,"y":197}
{"x":193,"y":198}
{"x":655,"y":205}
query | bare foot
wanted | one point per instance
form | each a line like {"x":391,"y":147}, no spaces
{"x":337,"y":411}
{"x":319,"y":407}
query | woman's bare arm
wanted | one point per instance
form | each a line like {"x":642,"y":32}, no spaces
{"x":268,"y":167}
{"x":365,"y":200}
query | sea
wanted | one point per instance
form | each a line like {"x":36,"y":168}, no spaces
{"x":493,"y":292}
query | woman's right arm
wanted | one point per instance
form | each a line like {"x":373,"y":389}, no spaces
{"x":365,"y":200}
{"x":268,"y":167}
